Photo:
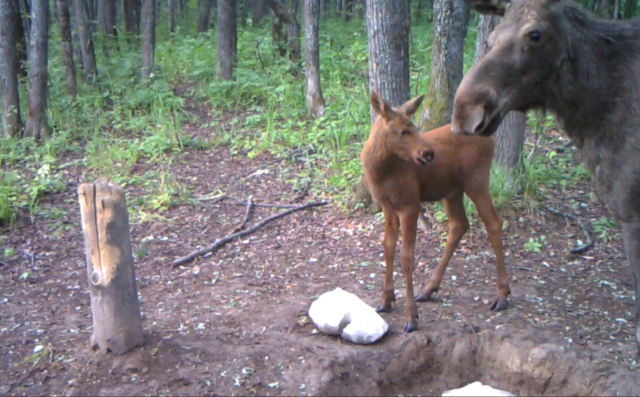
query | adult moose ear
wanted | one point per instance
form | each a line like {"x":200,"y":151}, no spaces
{"x":412,"y":106}
{"x":381,"y":106}
{"x":490,"y":7}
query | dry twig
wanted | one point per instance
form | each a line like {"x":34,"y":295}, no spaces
{"x":221,"y":242}
{"x":31,"y":256}
{"x":246,"y":215}
{"x":590,"y":243}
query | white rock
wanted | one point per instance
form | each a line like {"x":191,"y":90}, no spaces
{"x":339,"y":312}
{"x":476,"y":389}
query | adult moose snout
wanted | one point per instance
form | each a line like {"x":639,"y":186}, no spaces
{"x":476,"y":110}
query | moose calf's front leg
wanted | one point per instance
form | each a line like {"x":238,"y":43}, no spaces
{"x":409,"y":224}
{"x":392,"y":224}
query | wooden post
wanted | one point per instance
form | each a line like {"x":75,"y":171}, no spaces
{"x":117,"y":324}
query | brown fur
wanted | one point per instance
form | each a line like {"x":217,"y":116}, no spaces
{"x":400,"y":181}
{"x":584,"y":70}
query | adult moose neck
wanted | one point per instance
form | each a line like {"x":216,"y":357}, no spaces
{"x":595,"y":82}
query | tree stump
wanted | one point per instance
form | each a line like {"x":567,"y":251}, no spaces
{"x":117,"y":324}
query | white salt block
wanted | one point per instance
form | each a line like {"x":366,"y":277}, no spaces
{"x":476,"y":389}
{"x":339,"y":312}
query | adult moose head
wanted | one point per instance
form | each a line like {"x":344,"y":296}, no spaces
{"x":551,"y":54}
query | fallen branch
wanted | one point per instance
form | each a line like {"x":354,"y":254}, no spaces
{"x":590,"y":242}
{"x":246,"y":215}
{"x":31,"y":256}
{"x":221,"y":242}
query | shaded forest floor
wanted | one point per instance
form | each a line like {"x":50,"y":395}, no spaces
{"x":234,"y":322}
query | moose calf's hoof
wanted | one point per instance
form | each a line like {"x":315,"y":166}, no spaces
{"x":426,"y":295}
{"x":409,"y":328}
{"x":499,"y":304}
{"x":383,"y":309}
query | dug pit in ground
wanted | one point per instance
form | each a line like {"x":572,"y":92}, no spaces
{"x":445,"y":357}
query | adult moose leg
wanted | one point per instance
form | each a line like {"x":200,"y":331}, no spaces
{"x":392,"y":225}
{"x":631,"y":237}
{"x":493,"y":224}
{"x":458,"y":226}
{"x":409,"y":227}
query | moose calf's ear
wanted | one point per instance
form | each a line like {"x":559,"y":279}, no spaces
{"x":411,"y":106}
{"x":381,"y":106}
{"x":490,"y":7}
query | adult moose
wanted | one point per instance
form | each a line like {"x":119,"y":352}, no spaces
{"x":402,"y":168}
{"x":551,"y":54}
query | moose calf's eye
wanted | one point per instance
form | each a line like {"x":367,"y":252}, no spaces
{"x":535,"y":35}
{"x":404,"y":133}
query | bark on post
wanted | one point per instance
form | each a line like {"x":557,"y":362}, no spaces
{"x":149,"y":37}
{"x":36,"y":125}
{"x":117,"y":324}
{"x":315,"y":99}
{"x":67,"y":46}
{"x":227,"y":38}
{"x":450,"y":30}
{"x":510,"y":135}
{"x":9,"y":65}
{"x":86,"y":40}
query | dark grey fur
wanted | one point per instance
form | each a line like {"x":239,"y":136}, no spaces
{"x":586,"y":71}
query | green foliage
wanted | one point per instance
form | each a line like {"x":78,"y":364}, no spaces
{"x":534,"y":244}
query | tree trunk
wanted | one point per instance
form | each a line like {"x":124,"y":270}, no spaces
{"x":38,"y":94}
{"x":245,"y":12}
{"x":388,"y":29}
{"x":86,"y":40}
{"x":149,"y":37}
{"x":315,"y":99}
{"x":258,"y":10}
{"x":629,"y":9}
{"x":388,"y":32}
{"x":173,"y":9}
{"x":117,"y":323}
{"x":67,"y":45}
{"x":348,"y":10}
{"x":75,"y":39}
{"x":616,"y":9}
{"x":447,"y":58}
{"x":9,"y":68}
{"x":293,"y":34}
{"x":110,"y":27}
{"x":20,"y":39}
{"x":227,"y":38}
{"x":132,"y":13}
{"x":510,"y":135}
{"x":204,"y":7}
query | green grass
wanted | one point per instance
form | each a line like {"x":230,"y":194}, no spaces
{"x":119,"y":121}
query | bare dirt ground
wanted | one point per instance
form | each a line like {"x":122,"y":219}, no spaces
{"x":234,"y":322}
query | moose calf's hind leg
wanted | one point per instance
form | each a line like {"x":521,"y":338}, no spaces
{"x":392,"y":224}
{"x":631,"y":237}
{"x":458,"y":226}
{"x":493,"y":224}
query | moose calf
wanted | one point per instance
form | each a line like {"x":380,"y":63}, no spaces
{"x":402,"y":168}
